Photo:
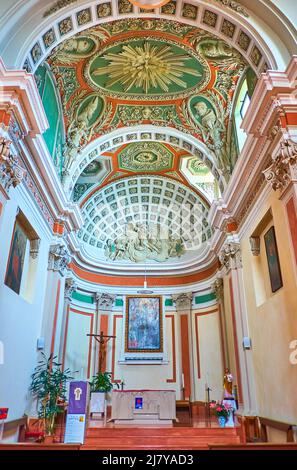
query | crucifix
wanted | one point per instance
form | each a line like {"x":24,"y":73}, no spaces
{"x":102,"y":339}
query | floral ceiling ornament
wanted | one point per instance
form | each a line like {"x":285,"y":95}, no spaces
{"x":149,"y":4}
{"x":147,"y":66}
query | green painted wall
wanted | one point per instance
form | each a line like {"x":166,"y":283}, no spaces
{"x":88,"y":299}
{"x":54,"y":136}
{"x":202,"y":299}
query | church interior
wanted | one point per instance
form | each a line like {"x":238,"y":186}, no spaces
{"x":148,"y":224}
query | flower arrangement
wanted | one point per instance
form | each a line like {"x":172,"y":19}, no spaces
{"x":221,"y":409}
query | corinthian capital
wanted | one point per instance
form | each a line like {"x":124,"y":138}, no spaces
{"x":284,"y":166}
{"x":230,"y":256}
{"x":70,"y":287}
{"x":218,"y":288}
{"x":11,"y":173}
{"x":105,"y":301}
{"x":59,"y":258}
{"x":183,"y":301}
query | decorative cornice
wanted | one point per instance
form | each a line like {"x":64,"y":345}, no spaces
{"x":59,"y":258}
{"x":283,"y":169}
{"x":11,"y":173}
{"x":230,"y":256}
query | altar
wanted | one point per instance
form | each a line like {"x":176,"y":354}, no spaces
{"x":143,"y":407}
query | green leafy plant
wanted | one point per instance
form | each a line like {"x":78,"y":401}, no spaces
{"x":102,"y":382}
{"x":49,"y":387}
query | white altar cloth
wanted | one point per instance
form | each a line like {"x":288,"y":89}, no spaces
{"x":157,"y":406}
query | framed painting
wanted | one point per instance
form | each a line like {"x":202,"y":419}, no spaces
{"x":273,"y":260}
{"x":16,"y":259}
{"x":144,"y":326}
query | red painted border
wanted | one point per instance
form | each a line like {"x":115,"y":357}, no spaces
{"x":222,"y":337}
{"x":173,"y":380}
{"x":153,"y":281}
{"x":200,"y":314}
{"x":91,"y":315}
{"x":114,"y":330}
{"x":54,"y":330}
{"x":291,"y":213}
{"x":185,"y":354}
{"x":238,"y":373}
{"x":65,"y":337}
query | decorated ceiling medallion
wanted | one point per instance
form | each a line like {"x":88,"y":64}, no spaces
{"x":147,"y":67}
{"x":145,"y":156}
{"x":149,"y":4}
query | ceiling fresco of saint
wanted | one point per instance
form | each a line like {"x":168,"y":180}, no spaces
{"x":160,"y":72}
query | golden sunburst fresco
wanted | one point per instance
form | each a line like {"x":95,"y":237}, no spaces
{"x":146,"y":66}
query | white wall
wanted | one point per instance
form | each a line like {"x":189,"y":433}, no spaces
{"x":150,"y":376}
{"x":20,"y":320}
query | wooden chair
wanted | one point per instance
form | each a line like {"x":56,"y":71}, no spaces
{"x":34,"y":430}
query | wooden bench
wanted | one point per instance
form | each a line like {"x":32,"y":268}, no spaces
{"x":279,"y":425}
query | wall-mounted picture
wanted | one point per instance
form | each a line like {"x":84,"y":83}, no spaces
{"x":144,"y":331}
{"x":273,"y":260}
{"x":16,"y":258}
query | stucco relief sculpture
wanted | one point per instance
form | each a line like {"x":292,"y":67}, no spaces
{"x":11,"y":173}
{"x":81,"y":129}
{"x":140,"y":243}
{"x":210,"y":115}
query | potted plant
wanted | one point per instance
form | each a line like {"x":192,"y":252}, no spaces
{"x":49,"y":387}
{"x":100,"y":385}
{"x":222,"y":412}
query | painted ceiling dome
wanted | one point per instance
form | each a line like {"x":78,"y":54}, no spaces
{"x":146,"y":108}
{"x":144,"y":218}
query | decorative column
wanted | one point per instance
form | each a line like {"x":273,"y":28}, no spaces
{"x":70,"y":287}
{"x":183,"y":303}
{"x":230,"y":258}
{"x":104,"y":304}
{"x":11,"y":173}
{"x":218,"y":289}
{"x":59,"y":258}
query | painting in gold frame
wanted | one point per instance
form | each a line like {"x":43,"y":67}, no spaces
{"x":144,"y":324}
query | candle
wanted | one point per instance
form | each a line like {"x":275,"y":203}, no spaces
{"x":183,"y":381}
